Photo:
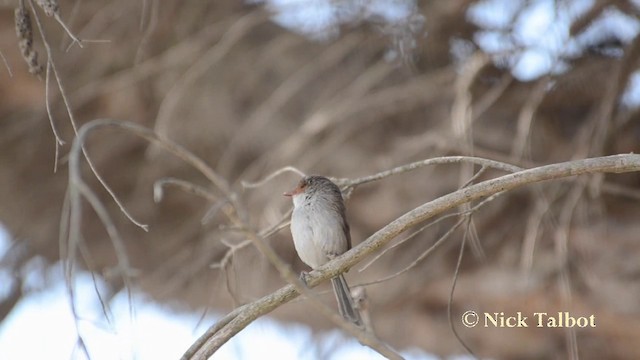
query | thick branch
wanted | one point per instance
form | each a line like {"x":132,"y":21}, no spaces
{"x":219,"y":335}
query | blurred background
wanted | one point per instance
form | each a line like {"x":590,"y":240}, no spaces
{"x":343,"y":88}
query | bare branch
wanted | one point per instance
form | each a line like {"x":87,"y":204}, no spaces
{"x":526,"y":116}
{"x":6,"y":64}
{"x":259,"y":183}
{"x":424,"y":255}
{"x":65,"y":99}
{"x":78,"y":188}
{"x":158,"y":189}
{"x":220,"y":333}
{"x":453,"y":288}
{"x":419,"y":164}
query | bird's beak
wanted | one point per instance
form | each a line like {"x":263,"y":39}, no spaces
{"x":293,"y":192}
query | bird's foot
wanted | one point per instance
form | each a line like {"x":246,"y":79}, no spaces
{"x":303,"y":277}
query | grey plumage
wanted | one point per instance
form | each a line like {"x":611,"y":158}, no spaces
{"x":345,"y":301}
{"x":320,"y":233}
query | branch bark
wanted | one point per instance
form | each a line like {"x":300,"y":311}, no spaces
{"x":237,"y":320}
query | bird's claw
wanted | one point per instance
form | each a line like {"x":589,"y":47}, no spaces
{"x":303,"y":277}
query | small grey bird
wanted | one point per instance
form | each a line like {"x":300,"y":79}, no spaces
{"x":320,"y":233}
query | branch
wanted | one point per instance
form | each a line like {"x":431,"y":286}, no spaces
{"x":78,"y":189}
{"x":422,"y":163}
{"x":233,"y":323}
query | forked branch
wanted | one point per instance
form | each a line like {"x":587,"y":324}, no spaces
{"x":234,"y":322}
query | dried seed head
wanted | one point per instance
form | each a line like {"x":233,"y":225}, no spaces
{"x":23,"y":28}
{"x":50,"y":7}
{"x":34,"y":67}
{"x":24,"y":31}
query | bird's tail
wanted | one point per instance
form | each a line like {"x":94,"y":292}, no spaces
{"x":345,"y":301}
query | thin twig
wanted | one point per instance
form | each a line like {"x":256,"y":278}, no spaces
{"x":146,"y":36}
{"x":165,"y":143}
{"x":526,"y":117}
{"x":364,"y":337}
{"x":422,"y":256}
{"x":452,"y":291}
{"x":74,"y":38}
{"x":220,"y":333}
{"x":465,"y":212}
{"x":252,"y":185}
{"x":78,"y":188}
{"x":409,"y":237}
{"x":561,"y":242}
{"x":186,"y":186}
{"x":533,"y":227}
{"x":73,"y":122}
{"x":6,"y":64}
{"x":59,"y":142}
{"x":419,"y":164}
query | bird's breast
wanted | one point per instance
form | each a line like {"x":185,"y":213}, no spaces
{"x":318,"y":234}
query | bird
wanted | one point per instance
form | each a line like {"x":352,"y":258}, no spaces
{"x":321,"y":232}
